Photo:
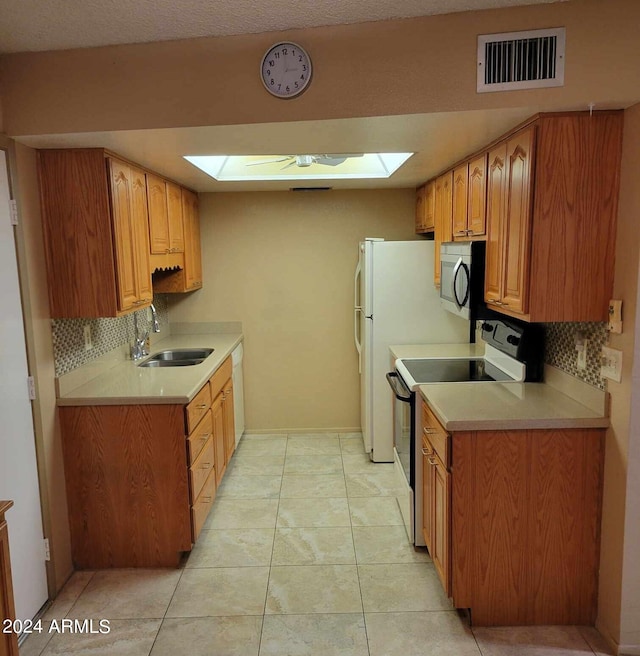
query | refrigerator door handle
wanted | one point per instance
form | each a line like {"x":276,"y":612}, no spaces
{"x":356,"y":337}
{"x":356,"y":319}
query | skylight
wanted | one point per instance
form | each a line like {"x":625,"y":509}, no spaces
{"x":299,"y":167}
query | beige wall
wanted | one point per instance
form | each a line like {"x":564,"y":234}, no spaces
{"x":283,"y":264}
{"x":373,"y":69}
{"x":41,"y":365}
{"x":617,"y":465}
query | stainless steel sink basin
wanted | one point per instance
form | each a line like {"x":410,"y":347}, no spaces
{"x":177,"y":357}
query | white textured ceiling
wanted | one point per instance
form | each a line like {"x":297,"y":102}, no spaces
{"x":29,"y":25}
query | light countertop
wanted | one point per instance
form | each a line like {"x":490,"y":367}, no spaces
{"x":507,"y":406}
{"x":128,"y":384}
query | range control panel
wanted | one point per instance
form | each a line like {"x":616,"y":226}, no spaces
{"x":524,"y":342}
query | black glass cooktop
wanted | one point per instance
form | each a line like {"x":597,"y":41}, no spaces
{"x":453,"y":371}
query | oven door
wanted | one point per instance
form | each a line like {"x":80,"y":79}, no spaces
{"x":404,"y":446}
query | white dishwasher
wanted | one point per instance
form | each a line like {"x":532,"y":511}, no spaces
{"x":238,"y":391}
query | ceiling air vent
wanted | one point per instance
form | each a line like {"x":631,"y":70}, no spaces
{"x":521,"y":60}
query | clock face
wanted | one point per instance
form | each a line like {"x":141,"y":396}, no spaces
{"x":286,"y":70}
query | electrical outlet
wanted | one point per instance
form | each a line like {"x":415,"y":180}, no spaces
{"x":88,"y":343}
{"x":581,"y":360}
{"x":611,"y":364}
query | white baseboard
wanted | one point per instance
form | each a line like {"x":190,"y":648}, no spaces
{"x":628,"y":650}
{"x":285,"y":431}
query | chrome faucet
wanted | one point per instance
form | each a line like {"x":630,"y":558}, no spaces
{"x":154,"y":314}
{"x":139,"y":347}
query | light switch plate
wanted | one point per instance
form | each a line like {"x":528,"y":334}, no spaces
{"x":611,"y":364}
{"x":88,"y":343}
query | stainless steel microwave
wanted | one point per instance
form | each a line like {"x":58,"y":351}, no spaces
{"x":462,"y":277}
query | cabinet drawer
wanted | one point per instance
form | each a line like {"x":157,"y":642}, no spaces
{"x":436,"y":434}
{"x":220,"y":377}
{"x":201,"y":468}
{"x":202,"y":505}
{"x":196,"y":410}
{"x":199,"y":437}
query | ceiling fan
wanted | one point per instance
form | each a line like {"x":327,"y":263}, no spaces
{"x":307,"y":160}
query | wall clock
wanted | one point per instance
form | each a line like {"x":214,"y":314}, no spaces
{"x":286,"y":70}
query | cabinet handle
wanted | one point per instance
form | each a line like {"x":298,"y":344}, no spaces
{"x":206,"y":465}
{"x":425,"y":451}
{"x":429,"y":431}
{"x":461,"y":232}
{"x":432,"y":461}
{"x":207,"y":499}
{"x":205,"y":436}
{"x":202,"y":406}
{"x":497,"y":302}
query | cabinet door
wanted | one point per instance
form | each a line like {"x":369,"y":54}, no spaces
{"x":140,"y":218}
{"x":420,"y":208}
{"x":8,"y":641}
{"x":427,"y":495}
{"x":174,"y":216}
{"x":158,"y":221}
{"x":476,"y":213}
{"x":229,"y":425}
{"x":192,"y":251}
{"x":429,"y":206}
{"x":124,"y":234}
{"x":443,"y":217}
{"x":217,"y":416}
{"x":496,"y":185}
{"x":517,"y":232}
{"x":440,"y":550}
{"x":460,"y":179}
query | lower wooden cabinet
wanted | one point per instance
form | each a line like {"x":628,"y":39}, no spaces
{"x":512,"y":523}
{"x":8,"y":641}
{"x":141,"y":479}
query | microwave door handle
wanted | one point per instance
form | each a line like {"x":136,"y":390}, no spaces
{"x":460,"y":266}
{"x":398,"y":387}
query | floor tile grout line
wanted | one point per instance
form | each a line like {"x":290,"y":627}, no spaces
{"x":164,"y":617}
{"x":364,"y":618}
{"x":273,"y":545}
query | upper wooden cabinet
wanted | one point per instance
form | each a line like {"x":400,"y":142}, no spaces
{"x":95,"y":224}
{"x":552,"y":197}
{"x":166,"y":228}
{"x":469,"y":199}
{"x":425,"y":218}
{"x":443,"y":208}
{"x":460,"y":201}
{"x":477,"y":198}
{"x":189,"y":277}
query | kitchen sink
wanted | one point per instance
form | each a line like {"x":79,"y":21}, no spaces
{"x":177,"y":357}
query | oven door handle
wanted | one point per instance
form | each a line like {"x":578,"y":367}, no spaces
{"x":400,"y":390}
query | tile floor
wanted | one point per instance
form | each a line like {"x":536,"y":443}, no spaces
{"x":304,"y":553}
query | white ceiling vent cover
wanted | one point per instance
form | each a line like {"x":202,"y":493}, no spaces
{"x":521,"y":60}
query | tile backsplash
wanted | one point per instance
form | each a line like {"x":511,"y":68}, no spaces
{"x":106,"y":334}
{"x":560,"y":349}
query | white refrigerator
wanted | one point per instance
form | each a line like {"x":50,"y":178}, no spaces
{"x":396,"y":302}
